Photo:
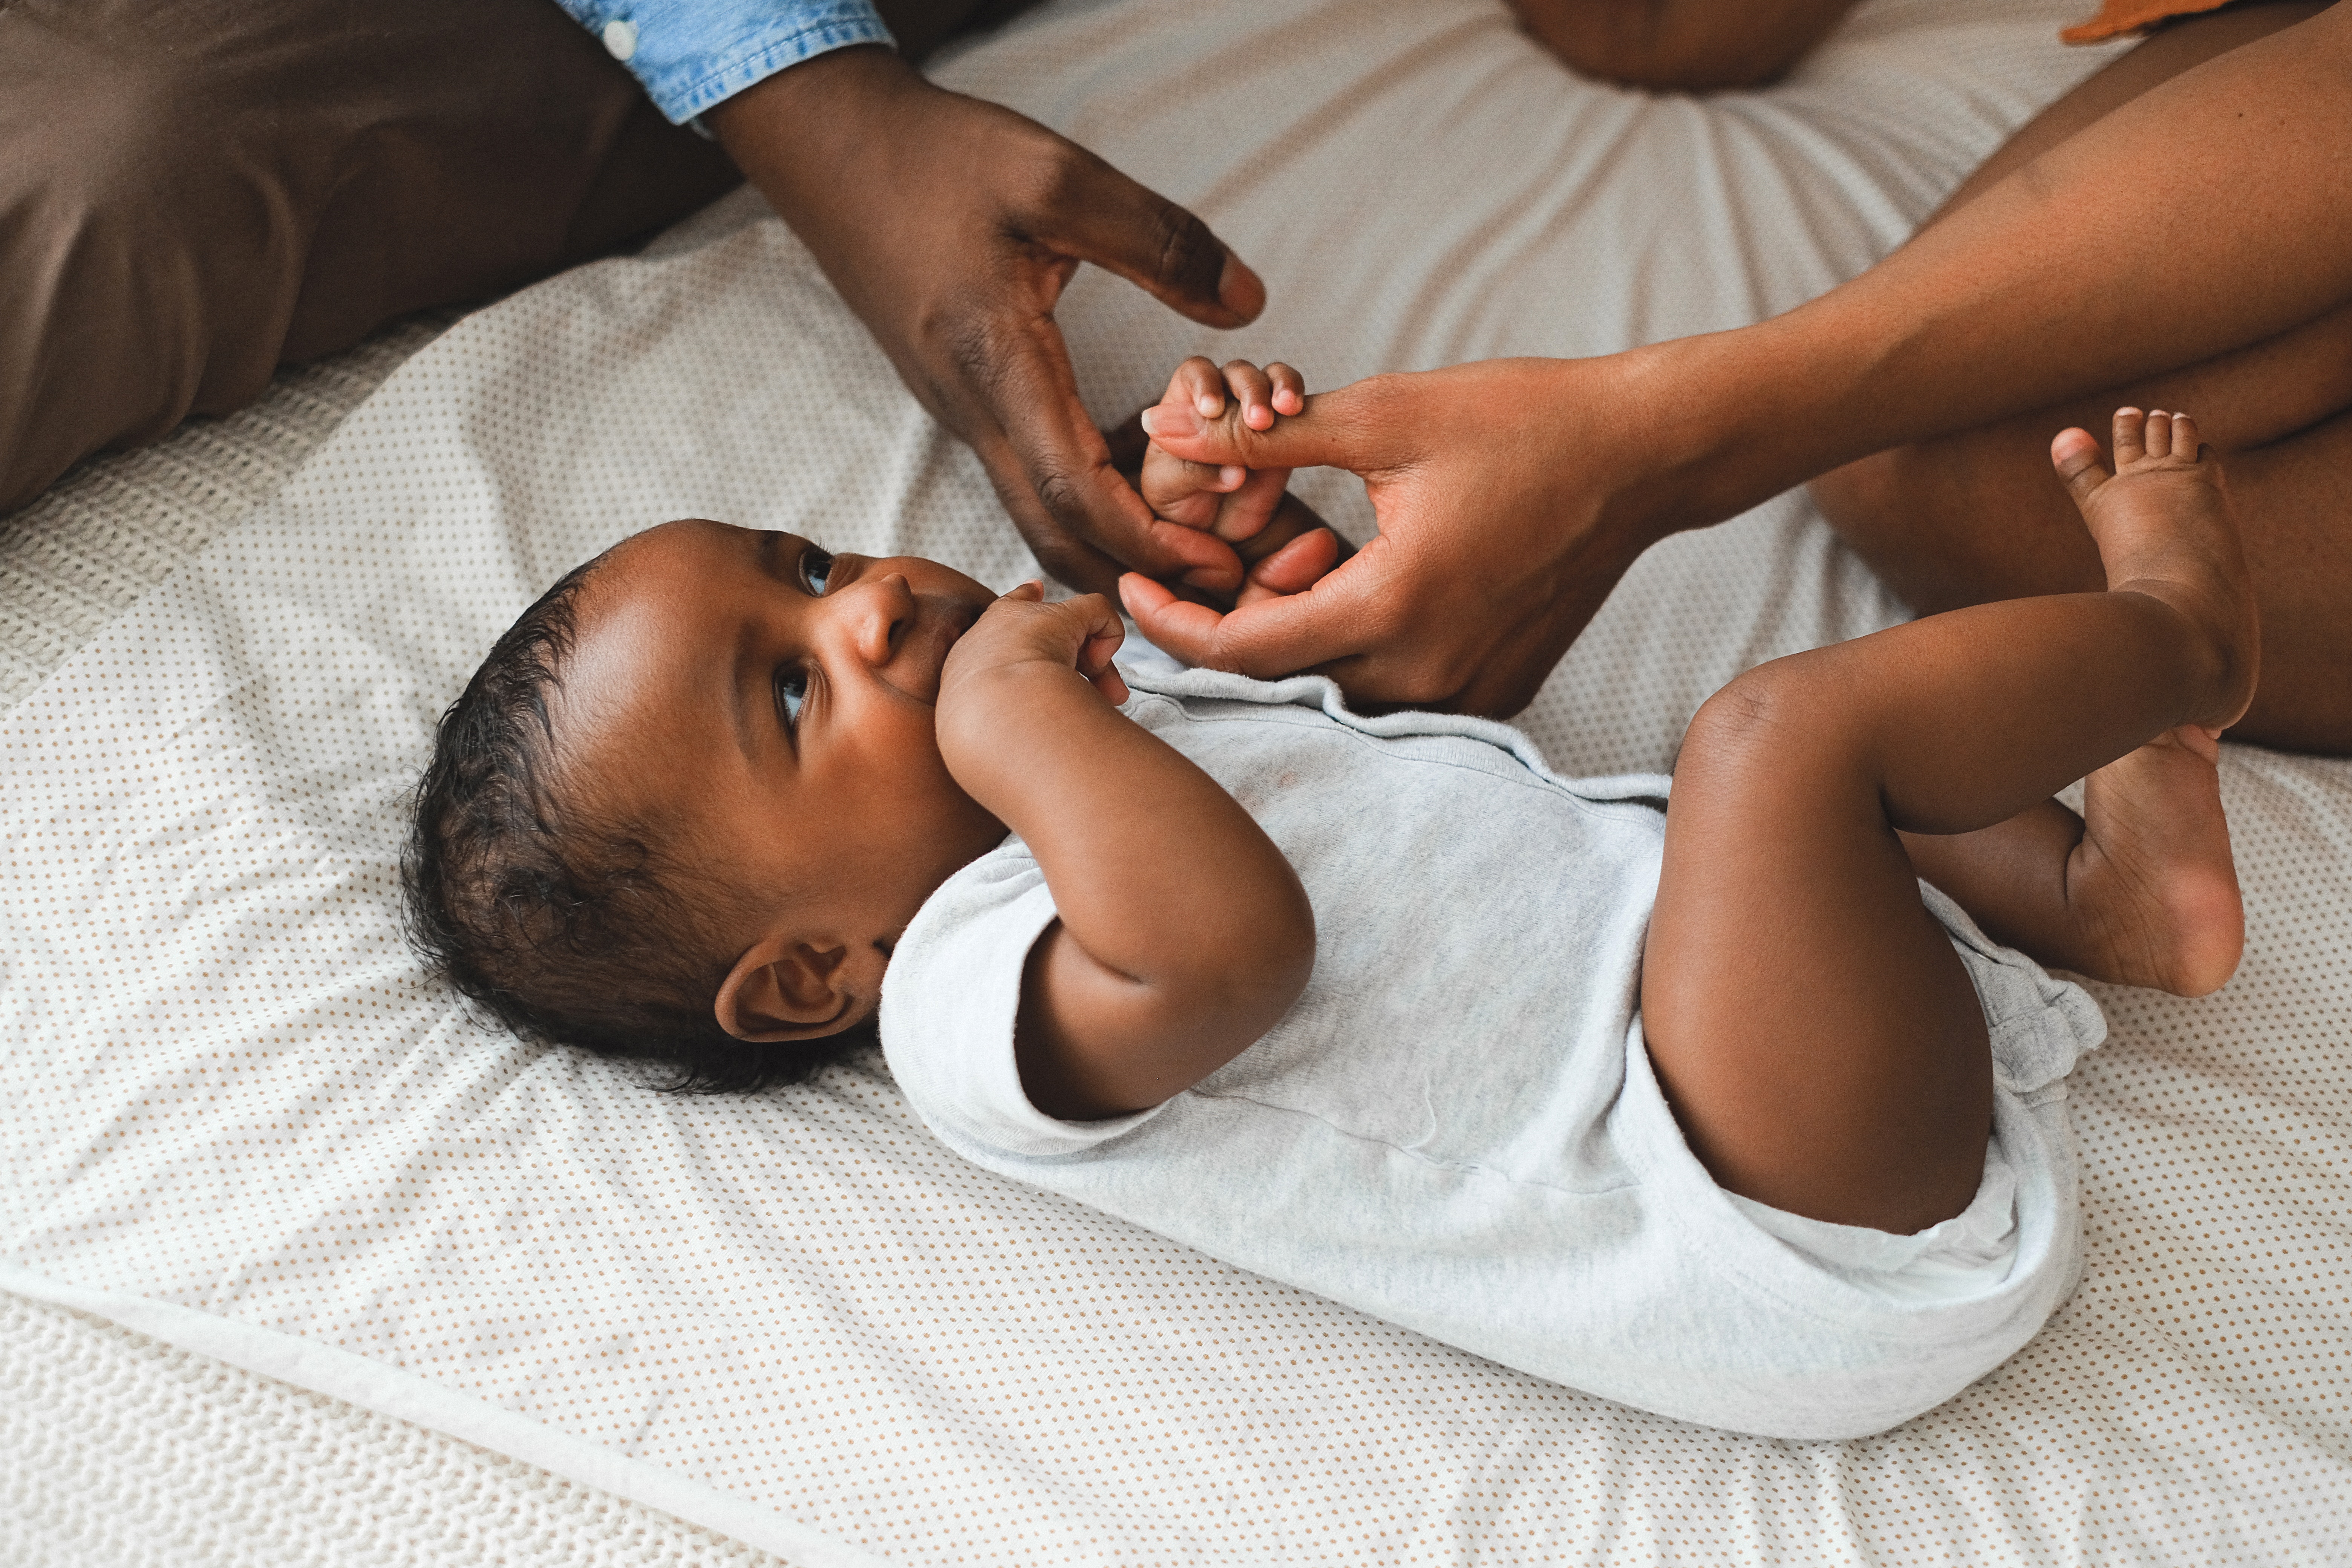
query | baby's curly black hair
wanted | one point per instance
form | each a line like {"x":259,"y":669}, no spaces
{"x":566,"y":924}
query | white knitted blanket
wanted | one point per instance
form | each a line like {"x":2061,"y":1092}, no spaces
{"x":234,"y":1118}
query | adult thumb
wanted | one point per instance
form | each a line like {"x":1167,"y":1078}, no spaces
{"x":1099,"y":214}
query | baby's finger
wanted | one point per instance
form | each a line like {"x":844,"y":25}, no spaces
{"x":1095,"y":654}
{"x":1174,"y":476}
{"x":1032,"y":589}
{"x":1100,"y":634}
{"x":1289,"y":388}
{"x":1094,"y":663}
{"x":1185,"y":492}
{"x":1244,"y":513}
{"x":1197,"y":385}
{"x":1097,"y":622}
{"x":1253,"y":391}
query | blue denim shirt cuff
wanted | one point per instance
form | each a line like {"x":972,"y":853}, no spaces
{"x":693,"y":54}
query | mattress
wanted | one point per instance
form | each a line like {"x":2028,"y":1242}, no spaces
{"x":272,"y":1196}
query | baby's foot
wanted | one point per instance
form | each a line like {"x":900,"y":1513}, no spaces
{"x":2152,"y":884}
{"x":2152,"y":880}
{"x":2164,"y":527}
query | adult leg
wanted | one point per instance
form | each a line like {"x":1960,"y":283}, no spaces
{"x":1978,"y":516}
{"x":193,"y":192}
{"x":1819,"y":1042}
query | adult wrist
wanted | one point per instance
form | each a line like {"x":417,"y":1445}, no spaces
{"x":1643,"y":423}
{"x":693,"y":56}
{"x":791,"y":132}
{"x":1724,"y":421}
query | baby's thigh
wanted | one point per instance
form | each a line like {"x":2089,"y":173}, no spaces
{"x":1817,"y":1036}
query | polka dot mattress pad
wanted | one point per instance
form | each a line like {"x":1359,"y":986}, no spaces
{"x":235,"y":1116}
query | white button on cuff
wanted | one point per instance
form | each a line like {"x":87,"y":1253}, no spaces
{"x":621,"y":38}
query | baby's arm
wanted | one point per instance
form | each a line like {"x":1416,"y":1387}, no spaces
{"x":1183,"y":934}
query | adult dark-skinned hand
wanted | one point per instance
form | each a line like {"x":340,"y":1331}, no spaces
{"x":952,"y":226}
{"x":1511,"y":494}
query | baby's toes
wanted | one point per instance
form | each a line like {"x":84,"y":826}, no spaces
{"x":2187,"y":441}
{"x":2075,"y":455}
{"x":2130,"y":441}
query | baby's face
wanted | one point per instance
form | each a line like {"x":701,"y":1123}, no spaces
{"x":778,"y":701}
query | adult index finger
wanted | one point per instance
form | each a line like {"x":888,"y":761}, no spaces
{"x":1340,"y":429}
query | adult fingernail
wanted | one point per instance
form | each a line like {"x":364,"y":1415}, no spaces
{"x":1149,"y":420}
{"x":1239,"y":289}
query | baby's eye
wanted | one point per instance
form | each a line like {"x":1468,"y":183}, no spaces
{"x":792,"y":690}
{"x":816,"y":567}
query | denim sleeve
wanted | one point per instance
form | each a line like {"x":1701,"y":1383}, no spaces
{"x":692,"y":54}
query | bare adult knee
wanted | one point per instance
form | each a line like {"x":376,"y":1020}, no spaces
{"x":1887,"y":509}
{"x":1862,"y":501}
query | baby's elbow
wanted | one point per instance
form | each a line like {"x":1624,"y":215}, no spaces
{"x":1288,"y":958}
{"x":1263,"y":964}
{"x":1291,"y":955}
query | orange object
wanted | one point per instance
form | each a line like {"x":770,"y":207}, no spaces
{"x":2119,"y":16}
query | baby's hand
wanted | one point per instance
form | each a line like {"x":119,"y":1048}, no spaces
{"x":1283,"y":546}
{"x":1021,"y":629}
{"x":1232,"y":502}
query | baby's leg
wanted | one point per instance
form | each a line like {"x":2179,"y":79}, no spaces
{"x":1821,"y":1044}
{"x":2141,"y":889}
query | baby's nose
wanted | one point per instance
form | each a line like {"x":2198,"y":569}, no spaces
{"x":885,"y":608}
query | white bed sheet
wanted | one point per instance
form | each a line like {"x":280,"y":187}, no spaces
{"x":232,"y":1117}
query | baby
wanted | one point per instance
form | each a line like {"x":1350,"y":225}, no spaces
{"x":1705,"y":1101}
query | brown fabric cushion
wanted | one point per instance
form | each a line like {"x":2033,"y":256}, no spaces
{"x":194,"y":191}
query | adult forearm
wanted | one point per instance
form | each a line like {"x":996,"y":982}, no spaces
{"x":2208,"y":214}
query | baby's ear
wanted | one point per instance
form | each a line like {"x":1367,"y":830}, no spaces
{"x":785,"y":988}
